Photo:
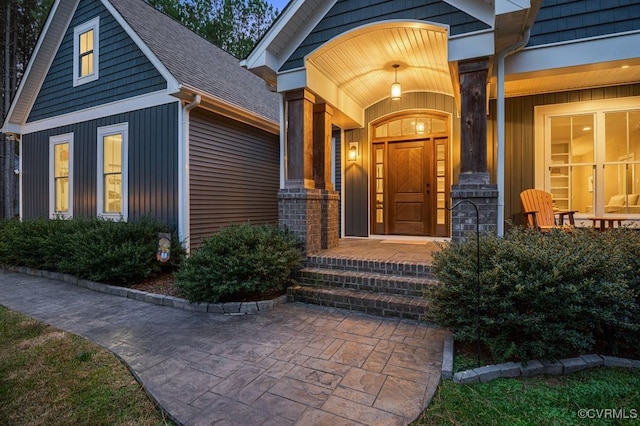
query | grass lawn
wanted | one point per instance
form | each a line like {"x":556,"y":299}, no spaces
{"x":575,"y":399}
{"x":50,"y":377}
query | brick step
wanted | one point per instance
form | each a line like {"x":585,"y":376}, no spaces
{"x":370,"y":303}
{"x":365,"y":281}
{"x":404,"y":269}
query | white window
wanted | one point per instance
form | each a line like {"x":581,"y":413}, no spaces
{"x":591,"y":156}
{"x":86,"y":42}
{"x":112,"y":188}
{"x":61,"y":175}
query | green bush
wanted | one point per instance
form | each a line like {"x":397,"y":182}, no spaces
{"x":541,"y":295}
{"x":238,"y":261}
{"x":121,"y":253}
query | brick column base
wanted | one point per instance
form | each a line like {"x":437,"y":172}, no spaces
{"x":463,"y":217}
{"x":330,"y":219}
{"x":300,"y":211}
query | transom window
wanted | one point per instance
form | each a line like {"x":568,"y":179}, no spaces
{"x":60,"y":175}
{"x":592,"y":157}
{"x":410,"y":126}
{"x":86,"y":49}
{"x":112,"y":171}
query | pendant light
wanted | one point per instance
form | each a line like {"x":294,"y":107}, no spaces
{"x":396,"y":89}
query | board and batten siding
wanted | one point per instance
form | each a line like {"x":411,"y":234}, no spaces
{"x":124,"y":71}
{"x":356,"y":173}
{"x":234,"y":174}
{"x":346,"y":15}
{"x":520,"y":138}
{"x":153,"y":165}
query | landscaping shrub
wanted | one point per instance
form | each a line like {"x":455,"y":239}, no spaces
{"x":541,"y":295}
{"x":121,"y":253}
{"x":238,"y":261}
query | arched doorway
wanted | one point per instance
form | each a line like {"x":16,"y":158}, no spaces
{"x":410,"y":175}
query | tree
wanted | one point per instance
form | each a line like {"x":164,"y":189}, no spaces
{"x":233,"y":25}
{"x":21,"y":21}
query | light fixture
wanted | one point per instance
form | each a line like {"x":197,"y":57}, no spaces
{"x":420,"y":127}
{"x":353,"y":151}
{"x":396,"y":89}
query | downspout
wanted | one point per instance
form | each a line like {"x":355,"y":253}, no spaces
{"x":501,"y":123}
{"x":183,"y":174}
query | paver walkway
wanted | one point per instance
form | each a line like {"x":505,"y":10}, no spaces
{"x":295,"y":364}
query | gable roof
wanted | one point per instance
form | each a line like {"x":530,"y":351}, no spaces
{"x":190,"y":63}
{"x":196,"y":63}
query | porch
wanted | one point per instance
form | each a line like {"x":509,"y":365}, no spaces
{"x":384,"y":277}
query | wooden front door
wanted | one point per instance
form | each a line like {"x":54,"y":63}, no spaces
{"x":407,"y":187}
{"x":411,"y":187}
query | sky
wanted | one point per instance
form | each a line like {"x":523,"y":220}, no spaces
{"x":278,"y":4}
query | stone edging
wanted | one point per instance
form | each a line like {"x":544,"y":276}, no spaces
{"x":229,"y":308}
{"x":533,"y":367}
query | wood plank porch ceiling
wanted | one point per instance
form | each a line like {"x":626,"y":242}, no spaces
{"x":360,"y":62}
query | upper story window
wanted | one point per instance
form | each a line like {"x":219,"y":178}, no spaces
{"x":112,"y":191}
{"x":86,"y":52}
{"x":61,"y":175}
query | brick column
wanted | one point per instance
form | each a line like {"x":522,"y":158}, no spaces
{"x":300,"y":210}
{"x":330,"y":219}
{"x":473,"y":181}
{"x":463,"y":217}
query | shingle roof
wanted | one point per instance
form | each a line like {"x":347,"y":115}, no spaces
{"x":196,"y":62}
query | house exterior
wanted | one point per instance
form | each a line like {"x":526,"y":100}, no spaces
{"x":124,"y":113}
{"x":496,"y":97}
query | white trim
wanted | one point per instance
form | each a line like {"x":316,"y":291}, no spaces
{"x":100,"y":111}
{"x":480,"y":10}
{"x":471,"y":45}
{"x":94,"y":25}
{"x":264,"y":55}
{"x":542,"y":114}
{"x":616,"y":47}
{"x":20,"y":192}
{"x":123,"y":129}
{"x":53,"y":141}
{"x":36,"y":52}
{"x":172,"y":83}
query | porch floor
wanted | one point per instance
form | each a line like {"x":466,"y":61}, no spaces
{"x":383,"y":250}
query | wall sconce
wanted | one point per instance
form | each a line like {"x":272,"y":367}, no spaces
{"x":353,"y":151}
{"x":396,"y":89}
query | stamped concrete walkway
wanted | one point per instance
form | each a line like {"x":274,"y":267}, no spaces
{"x":295,"y":364}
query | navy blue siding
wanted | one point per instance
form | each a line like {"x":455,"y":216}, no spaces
{"x":565,"y":20}
{"x":348,"y":14}
{"x":124,"y":71}
{"x":153,"y":165}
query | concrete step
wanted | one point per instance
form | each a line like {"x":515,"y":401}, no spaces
{"x":366,"y":281}
{"x":403,"y":269}
{"x":362,"y":301}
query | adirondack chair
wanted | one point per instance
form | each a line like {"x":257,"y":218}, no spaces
{"x":537,"y":206}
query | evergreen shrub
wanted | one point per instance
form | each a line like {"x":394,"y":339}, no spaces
{"x":542,"y":296}
{"x":240,"y":261}
{"x":114,"y":252}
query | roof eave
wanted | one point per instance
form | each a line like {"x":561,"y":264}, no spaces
{"x":220,"y":106}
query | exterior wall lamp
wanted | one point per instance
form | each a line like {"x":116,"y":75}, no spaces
{"x":396,"y":89}
{"x":353,"y":151}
